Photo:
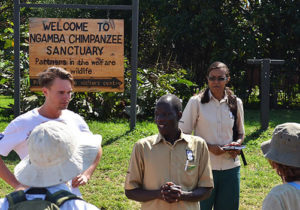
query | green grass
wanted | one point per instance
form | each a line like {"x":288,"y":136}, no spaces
{"x":258,"y":178}
{"x":5,"y":118}
{"x":5,"y":100}
{"x":106,"y":188}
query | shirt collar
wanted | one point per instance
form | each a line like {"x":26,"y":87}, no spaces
{"x":225,"y":99}
{"x":160,"y":138}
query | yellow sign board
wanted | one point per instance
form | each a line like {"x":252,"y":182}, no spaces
{"x":92,"y":50}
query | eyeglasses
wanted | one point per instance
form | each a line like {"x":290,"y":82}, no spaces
{"x":220,"y":79}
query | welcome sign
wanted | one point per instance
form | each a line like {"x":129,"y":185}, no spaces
{"x":92,"y":50}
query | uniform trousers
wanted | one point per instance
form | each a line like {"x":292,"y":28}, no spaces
{"x":226,"y":192}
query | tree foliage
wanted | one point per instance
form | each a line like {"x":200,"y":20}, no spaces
{"x":178,"y":39}
{"x":197,"y":32}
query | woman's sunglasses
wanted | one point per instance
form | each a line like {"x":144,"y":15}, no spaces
{"x":220,"y":79}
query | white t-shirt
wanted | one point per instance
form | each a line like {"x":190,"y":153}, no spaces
{"x":18,"y":130}
{"x":68,"y":205}
{"x":16,"y":133}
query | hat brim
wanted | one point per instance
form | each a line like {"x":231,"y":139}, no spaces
{"x":84,"y":155}
{"x":265,"y":147}
{"x":269,"y":153}
{"x":277,"y":156}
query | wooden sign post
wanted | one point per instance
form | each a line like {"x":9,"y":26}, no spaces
{"x":265,"y":87}
{"x":92,"y":50}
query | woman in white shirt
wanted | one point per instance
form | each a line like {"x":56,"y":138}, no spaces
{"x":212,"y":115}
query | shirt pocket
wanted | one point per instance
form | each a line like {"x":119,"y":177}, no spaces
{"x":190,"y":174}
{"x":227,"y":119}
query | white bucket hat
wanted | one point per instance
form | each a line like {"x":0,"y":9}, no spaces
{"x":56,"y":155}
{"x":284,"y":147}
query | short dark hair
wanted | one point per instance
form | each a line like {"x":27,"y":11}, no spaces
{"x":47,"y":77}
{"x":287,"y":173}
{"x":173,"y":100}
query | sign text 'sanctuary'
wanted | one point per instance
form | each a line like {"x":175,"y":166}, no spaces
{"x":92,"y":50}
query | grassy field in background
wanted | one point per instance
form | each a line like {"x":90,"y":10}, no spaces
{"x":105,"y":189}
{"x":5,"y":100}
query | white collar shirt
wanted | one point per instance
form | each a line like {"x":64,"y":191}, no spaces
{"x":213,"y":121}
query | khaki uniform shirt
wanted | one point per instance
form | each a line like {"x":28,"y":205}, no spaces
{"x":154,"y":161}
{"x":213,"y":121}
{"x":283,"y":197}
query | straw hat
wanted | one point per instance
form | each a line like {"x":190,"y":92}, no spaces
{"x":56,"y":154}
{"x":284,"y":147}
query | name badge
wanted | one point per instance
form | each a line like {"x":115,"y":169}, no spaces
{"x":189,"y":155}
{"x":189,"y":158}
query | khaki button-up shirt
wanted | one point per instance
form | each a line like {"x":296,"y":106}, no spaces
{"x":154,"y":161}
{"x":213,"y":121}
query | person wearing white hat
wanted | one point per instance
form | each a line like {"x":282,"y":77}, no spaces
{"x":56,"y":155}
{"x":56,"y":86}
{"x":283,"y":154}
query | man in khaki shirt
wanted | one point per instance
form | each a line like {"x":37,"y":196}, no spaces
{"x":170,"y":170}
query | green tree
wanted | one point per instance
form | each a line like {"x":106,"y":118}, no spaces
{"x":176,"y":35}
